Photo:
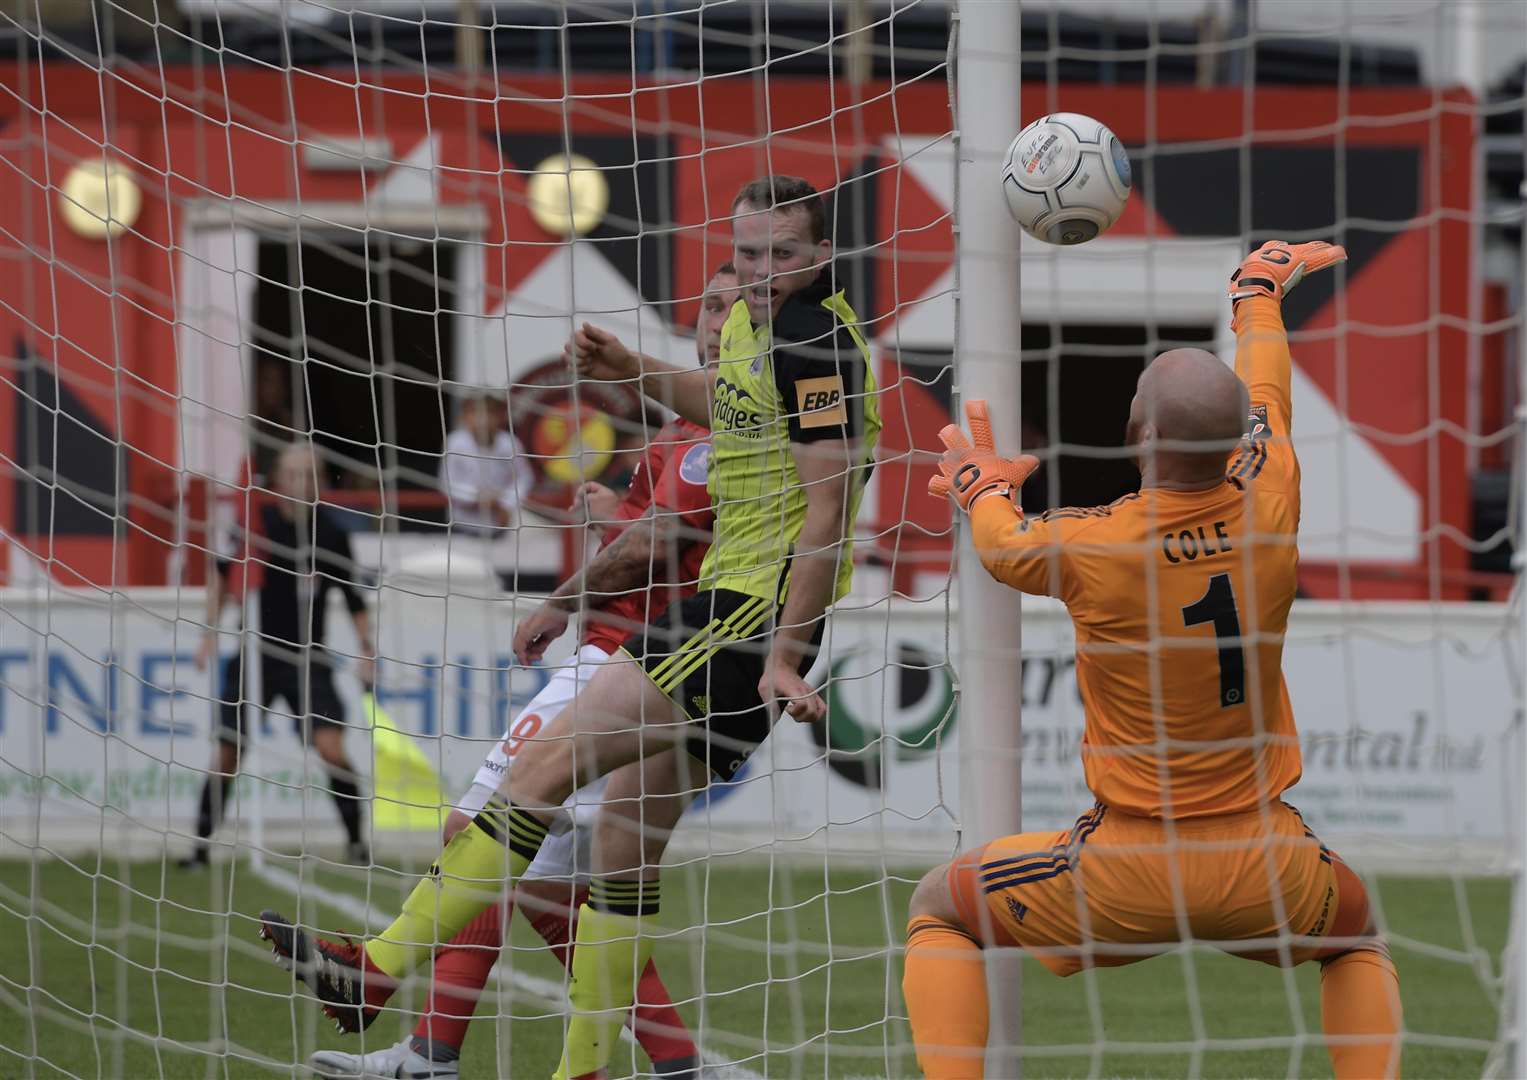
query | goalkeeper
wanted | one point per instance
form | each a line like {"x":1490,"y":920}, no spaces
{"x":292,"y":551}
{"x":793,"y":421}
{"x":1180,"y":595}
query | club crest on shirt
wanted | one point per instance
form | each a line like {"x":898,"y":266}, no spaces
{"x":696,"y":463}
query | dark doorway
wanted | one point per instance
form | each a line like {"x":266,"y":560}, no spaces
{"x":1078,"y":380}
{"x":352,"y":341}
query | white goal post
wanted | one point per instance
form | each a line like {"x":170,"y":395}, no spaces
{"x":988,"y":344}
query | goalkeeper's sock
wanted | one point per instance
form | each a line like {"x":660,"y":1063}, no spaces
{"x":608,"y":950}
{"x":468,"y":876}
{"x":1360,"y":999}
{"x":945,"y":991}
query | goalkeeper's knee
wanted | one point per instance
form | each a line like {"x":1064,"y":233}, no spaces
{"x":934,"y":899}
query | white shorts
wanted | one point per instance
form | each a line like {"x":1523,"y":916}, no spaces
{"x":568,"y":849}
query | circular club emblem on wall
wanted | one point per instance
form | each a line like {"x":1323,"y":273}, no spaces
{"x":877,"y":708}
{"x":569,"y":441}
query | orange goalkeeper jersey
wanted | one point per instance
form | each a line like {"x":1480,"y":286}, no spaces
{"x":1180,"y":601}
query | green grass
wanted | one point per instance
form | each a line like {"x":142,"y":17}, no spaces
{"x":134,"y":970}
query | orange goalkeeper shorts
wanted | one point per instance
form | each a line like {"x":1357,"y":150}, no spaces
{"x":1114,"y":889}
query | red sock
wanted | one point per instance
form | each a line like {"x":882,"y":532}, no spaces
{"x":658,"y":1027}
{"x":377,"y":987}
{"x":555,"y":926}
{"x":461,"y":971}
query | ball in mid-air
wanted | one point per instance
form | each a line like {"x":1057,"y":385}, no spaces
{"x":1066,"y":178}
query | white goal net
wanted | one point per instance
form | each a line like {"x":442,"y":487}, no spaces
{"x":284,"y":289}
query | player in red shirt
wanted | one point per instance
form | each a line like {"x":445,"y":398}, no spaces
{"x":655,"y":539}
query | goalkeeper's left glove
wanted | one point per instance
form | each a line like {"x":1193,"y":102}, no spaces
{"x":971,"y":468}
{"x":1276,"y":267}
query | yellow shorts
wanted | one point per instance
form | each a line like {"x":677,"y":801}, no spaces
{"x":1114,"y":889}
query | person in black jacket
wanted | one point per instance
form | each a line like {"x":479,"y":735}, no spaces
{"x":292,"y":551}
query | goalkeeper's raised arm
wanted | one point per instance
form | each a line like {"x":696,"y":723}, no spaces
{"x":1185,"y":416}
{"x":1262,"y":357}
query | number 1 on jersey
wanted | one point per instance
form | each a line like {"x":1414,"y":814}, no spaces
{"x":1217,"y":606}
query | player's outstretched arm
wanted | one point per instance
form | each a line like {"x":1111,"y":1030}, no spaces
{"x":1022,"y":552}
{"x":599,"y":503}
{"x":598,"y":354}
{"x":1262,"y":360}
{"x":626,"y":564}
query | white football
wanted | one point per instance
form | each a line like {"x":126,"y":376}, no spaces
{"x":1066,"y":178}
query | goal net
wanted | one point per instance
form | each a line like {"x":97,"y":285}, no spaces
{"x":291,"y":452}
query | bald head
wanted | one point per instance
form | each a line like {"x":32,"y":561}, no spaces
{"x":1187,"y":398}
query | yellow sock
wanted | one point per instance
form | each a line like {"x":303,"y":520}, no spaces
{"x":609,"y":953}
{"x":945,"y":989}
{"x":1360,"y":997}
{"x":470,"y":874}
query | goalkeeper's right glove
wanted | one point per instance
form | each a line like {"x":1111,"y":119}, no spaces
{"x":968,"y":471}
{"x":1276,"y":267}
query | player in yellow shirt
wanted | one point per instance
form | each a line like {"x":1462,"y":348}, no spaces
{"x":1180,"y":596}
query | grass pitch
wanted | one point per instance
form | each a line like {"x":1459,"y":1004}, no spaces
{"x":118,"y":969}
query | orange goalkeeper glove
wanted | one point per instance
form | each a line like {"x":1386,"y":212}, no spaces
{"x":1276,"y":267}
{"x":971,"y":468}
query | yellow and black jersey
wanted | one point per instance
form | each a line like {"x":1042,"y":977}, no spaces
{"x":804,"y":379}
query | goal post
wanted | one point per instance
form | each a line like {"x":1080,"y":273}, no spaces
{"x":1512,"y":1050}
{"x":988,"y":348}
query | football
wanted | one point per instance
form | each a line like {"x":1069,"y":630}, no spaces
{"x":1066,"y":178}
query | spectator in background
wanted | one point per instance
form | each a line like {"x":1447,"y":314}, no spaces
{"x":484,"y":471}
{"x":498,"y":409}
